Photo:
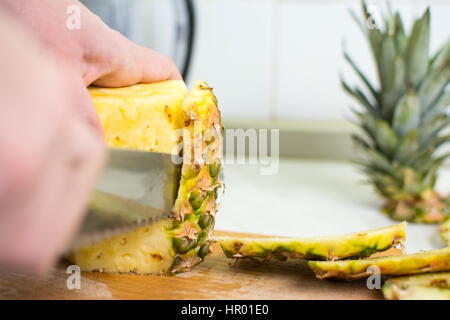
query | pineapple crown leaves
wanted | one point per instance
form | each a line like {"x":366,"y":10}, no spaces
{"x":404,"y":115}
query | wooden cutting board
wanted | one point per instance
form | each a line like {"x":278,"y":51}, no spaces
{"x":216,"y":278}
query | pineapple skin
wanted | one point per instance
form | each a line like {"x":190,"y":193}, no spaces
{"x":429,"y":261}
{"x":403,"y":118}
{"x":149,"y":117}
{"x":433,"y":286}
{"x":416,"y":293}
{"x":444,"y":231}
{"x":354,"y":245}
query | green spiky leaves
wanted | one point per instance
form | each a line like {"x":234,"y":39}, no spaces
{"x":403,"y":117}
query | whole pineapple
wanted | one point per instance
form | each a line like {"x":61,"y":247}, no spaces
{"x":404,"y":117}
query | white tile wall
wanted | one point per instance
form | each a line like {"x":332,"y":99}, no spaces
{"x":310,"y":41}
{"x":282,"y":58}
{"x":311,"y":62}
{"x":234,"y":54}
{"x":151,"y":25}
{"x":275,"y":58}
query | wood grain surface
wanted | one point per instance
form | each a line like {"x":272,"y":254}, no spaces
{"x":216,"y":278}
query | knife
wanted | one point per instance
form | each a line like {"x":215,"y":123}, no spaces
{"x":135,"y":188}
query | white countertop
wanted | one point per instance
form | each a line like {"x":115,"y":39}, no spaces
{"x":311,"y":198}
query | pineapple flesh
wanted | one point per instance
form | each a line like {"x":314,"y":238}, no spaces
{"x":163,"y":117}
{"x":445,"y":231}
{"x":429,"y":261}
{"x":434,"y":286}
{"x":403,"y":118}
{"x":354,"y":245}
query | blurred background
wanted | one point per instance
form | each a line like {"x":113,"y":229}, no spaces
{"x":276,"y":64}
{"x":267,"y":59}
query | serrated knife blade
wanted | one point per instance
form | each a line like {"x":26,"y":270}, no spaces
{"x":135,"y":188}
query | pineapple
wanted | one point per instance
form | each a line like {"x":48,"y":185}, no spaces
{"x":361,"y":244}
{"x":445,"y":231}
{"x":429,"y":261}
{"x":404,"y":117}
{"x":163,"y":117}
{"x":433,"y":286}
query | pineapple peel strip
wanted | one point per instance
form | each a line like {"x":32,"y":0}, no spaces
{"x":361,"y":244}
{"x":429,"y":261}
{"x":445,"y":231}
{"x":434,"y":286}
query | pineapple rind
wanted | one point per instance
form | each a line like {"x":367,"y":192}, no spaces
{"x":195,"y":207}
{"x":175,"y":244}
{"x":434,"y":286}
{"x":353,"y":245}
{"x":444,"y":230}
{"x":416,"y":293}
{"x":429,"y":261}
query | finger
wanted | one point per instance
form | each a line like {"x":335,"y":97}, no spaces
{"x":76,"y":91}
{"x":27,"y":220}
{"x":155,"y":66}
{"x":83,"y":159}
{"x":38,"y":228}
{"x":136,"y":64}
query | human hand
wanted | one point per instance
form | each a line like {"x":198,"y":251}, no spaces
{"x":50,"y":141}
{"x":102,"y":55}
{"x":49,"y":154}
